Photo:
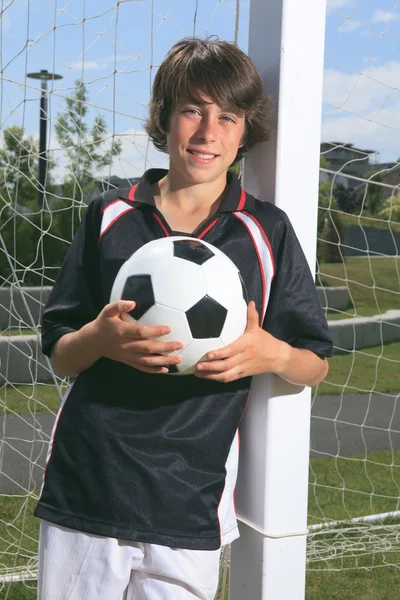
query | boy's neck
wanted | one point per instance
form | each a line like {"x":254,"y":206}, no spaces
{"x":171,"y":193}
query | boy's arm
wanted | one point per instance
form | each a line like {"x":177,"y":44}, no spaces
{"x":117,"y":340}
{"x":294,"y":333}
{"x":257,"y":351}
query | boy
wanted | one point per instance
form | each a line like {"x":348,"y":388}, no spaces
{"x":138,"y":492}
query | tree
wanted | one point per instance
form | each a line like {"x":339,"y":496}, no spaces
{"x":18,"y":168}
{"x":330,"y":228}
{"x":85,"y":146}
{"x":374,"y":197}
{"x":348,"y":199}
{"x":31,"y":239}
{"x":391,"y":209}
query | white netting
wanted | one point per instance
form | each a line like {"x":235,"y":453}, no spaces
{"x":107,"y":54}
{"x":355,"y":440}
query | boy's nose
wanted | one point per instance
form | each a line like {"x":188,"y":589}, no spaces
{"x":207,"y":131}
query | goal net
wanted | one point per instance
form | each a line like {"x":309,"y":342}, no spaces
{"x":107,"y":54}
{"x":354,"y":493}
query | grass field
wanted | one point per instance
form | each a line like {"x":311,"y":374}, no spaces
{"x":374,"y":284}
{"x":326,"y":500}
{"x":18,"y":331}
{"x":370,"y":369}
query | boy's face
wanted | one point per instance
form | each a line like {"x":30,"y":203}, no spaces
{"x":203,"y":141}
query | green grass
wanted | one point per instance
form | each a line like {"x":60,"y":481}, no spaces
{"x":374,"y":284}
{"x":19,"y":534}
{"x":18,"y":331}
{"x":29,"y":398}
{"x":372,"y":580}
{"x":342,"y":487}
{"x":351,"y":487}
{"x":19,"y":591}
{"x":362,"y":372}
{"x":326,"y":500}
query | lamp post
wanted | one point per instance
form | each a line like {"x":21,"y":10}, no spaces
{"x":44,"y":76}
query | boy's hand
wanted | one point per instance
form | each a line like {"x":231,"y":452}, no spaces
{"x":256,"y":351}
{"x":130,"y":343}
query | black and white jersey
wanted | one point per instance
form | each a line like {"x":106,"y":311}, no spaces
{"x":153,"y":458}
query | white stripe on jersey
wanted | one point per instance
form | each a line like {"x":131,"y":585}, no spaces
{"x":111,"y":213}
{"x":226,"y":509}
{"x":263,"y":250}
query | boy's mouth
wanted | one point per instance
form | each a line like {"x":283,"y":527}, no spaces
{"x":202,"y":156}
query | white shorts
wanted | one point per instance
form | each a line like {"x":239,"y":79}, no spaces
{"x":81,"y":566}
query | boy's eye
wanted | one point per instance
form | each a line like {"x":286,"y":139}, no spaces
{"x":191,"y":111}
{"x":229,"y":119}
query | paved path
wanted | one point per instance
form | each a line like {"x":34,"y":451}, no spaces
{"x":335,"y":430}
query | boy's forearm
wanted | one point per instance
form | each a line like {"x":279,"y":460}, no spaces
{"x":302,"y":367}
{"x":76,"y":351}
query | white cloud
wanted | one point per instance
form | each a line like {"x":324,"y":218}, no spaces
{"x":333,"y":4}
{"x":348,"y":26}
{"x":384,"y":16}
{"x":89,"y":65}
{"x":364,"y":109}
{"x":362,"y":91}
{"x":99,"y":65}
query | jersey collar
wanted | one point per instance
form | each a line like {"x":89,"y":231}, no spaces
{"x":235,"y":200}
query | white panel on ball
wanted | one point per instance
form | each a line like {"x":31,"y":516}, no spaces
{"x":235,"y":323}
{"x":222,"y":280}
{"x":193,"y":353}
{"x":178,"y":284}
{"x":175,"y":319}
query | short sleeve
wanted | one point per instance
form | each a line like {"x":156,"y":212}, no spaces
{"x":294,"y":313}
{"x":76,"y":295}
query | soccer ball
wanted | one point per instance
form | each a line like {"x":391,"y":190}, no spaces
{"x":192,"y":287}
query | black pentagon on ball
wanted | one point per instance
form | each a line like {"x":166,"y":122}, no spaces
{"x":206,"y":318}
{"x":193,"y":251}
{"x":140,"y":289}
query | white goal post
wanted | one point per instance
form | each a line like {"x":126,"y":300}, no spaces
{"x":286,"y":42}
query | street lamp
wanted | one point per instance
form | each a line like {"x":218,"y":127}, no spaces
{"x":44,"y":76}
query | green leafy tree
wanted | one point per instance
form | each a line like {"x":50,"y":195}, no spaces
{"x":374,"y":197}
{"x":348,"y":199}
{"x":390,"y":210}
{"x":31,"y":240}
{"x":18,"y":168}
{"x":330,"y":228}
{"x":323,"y":162}
{"x":85,"y":145}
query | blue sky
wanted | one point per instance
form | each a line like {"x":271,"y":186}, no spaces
{"x":112,"y":50}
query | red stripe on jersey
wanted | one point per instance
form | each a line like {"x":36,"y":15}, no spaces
{"x":132,"y":191}
{"x":264,"y":285}
{"x":161,"y":224}
{"x":208,"y":229}
{"x":265,"y":239}
{"x":242,"y":200}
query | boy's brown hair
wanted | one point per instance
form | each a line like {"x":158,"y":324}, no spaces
{"x":221,"y":71}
